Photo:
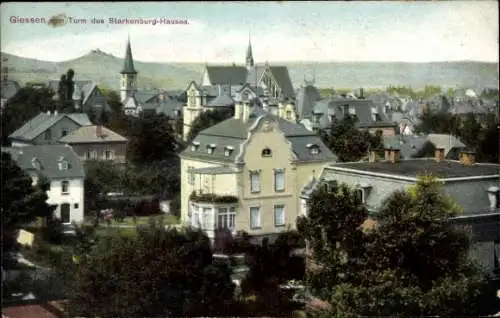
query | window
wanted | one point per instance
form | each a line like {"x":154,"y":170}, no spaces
{"x":65,"y":213}
{"x":210,"y":149}
{"x":190,"y":175}
{"x":93,"y":154}
{"x":288,"y":114}
{"x":109,"y":155}
{"x":254,"y":181}
{"x":63,"y":164}
{"x":226,"y":218}
{"x":279,"y":180}
{"x":279,"y":215}
{"x":360,"y":195}
{"x":207,"y":216}
{"x":266,"y":152}
{"x":255,"y":218}
{"x":314,"y":150}
{"x":36,"y":163}
{"x":228,"y":150}
{"x":64,"y":132}
{"x":65,"y":187}
{"x":195,"y":145}
{"x":48,"y":135}
{"x":75,"y":205}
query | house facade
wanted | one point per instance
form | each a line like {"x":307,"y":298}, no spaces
{"x":245,"y":173}
{"x":48,"y":128}
{"x":60,"y":165}
{"x":99,"y":143}
{"x":473,"y":186}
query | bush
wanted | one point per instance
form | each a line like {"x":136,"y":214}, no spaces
{"x":175,"y":206}
{"x":53,"y":232}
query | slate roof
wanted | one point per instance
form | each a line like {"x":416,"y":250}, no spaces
{"x":233,"y":132}
{"x":307,"y":96}
{"x":281,"y":75}
{"x":130,"y":102}
{"x":364,"y":109}
{"x":462,"y":108}
{"x":145,"y":96}
{"x":414,"y":168}
{"x":234,"y":75}
{"x":9,"y":88}
{"x":169,"y":107}
{"x":43,"y":121}
{"x":88,"y":134}
{"x":446,"y":142}
{"x":49,"y":157}
{"x":409,"y":146}
{"x":128,"y":62}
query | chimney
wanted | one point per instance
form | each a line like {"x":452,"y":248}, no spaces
{"x":439,"y":154}
{"x":238,"y":110}
{"x":361,"y":93}
{"x":98,"y":131}
{"x":468,"y":157}
{"x":245,"y":114}
{"x":373,"y":156}
{"x":392,"y":155}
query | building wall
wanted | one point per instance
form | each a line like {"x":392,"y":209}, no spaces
{"x":20,"y":144}
{"x":74,"y":196}
{"x":119,"y":148}
{"x":471,"y":195}
{"x":281,"y":158}
{"x":96,"y":99}
{"x":56,"y":131}
{"x":388,"y":131}
{"x":192,"y":110}
{"x":222,"y":184}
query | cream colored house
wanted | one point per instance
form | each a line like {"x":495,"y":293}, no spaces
{"x":246,"y":173}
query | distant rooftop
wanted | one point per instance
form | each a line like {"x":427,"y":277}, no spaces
{"x":414,"y":168}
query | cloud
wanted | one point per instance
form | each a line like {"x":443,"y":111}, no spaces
{"x":449,"y":31}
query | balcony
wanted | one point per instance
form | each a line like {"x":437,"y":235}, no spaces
{"x":212,"y":198}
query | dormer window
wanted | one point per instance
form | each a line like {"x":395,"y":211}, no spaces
{"x":64,"y":132}
{"x":228,"y":150}
{"x":288,"y":114}
{"x":266,"y":152}
{"x":195,"y":145}
{"x":211,"y":148}
{"x":361,"y":192}
{"x":313,"y":148}
{"x":494,"y":197}
{"x":62,"y":164}
{"x":317,"y":117}
{"x":36,"y":164}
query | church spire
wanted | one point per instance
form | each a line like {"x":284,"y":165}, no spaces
{"x":249,"y":59}
{"x":128,"y":63}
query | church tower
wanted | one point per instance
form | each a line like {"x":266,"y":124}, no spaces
{"x":249,"y":59}
{"x":128,"y":81}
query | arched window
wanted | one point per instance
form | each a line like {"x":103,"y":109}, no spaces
{"x":266,"y":152}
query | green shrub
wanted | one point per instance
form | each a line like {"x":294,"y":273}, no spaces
{"x":53,"y":232}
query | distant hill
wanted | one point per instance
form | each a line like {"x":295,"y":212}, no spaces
{"x":104,"y":69}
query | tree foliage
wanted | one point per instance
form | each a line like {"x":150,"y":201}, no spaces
{"x":158,"y":273}
{"x":415,"y":263}
{"x":484,"y":137}
{"x":66,"y":89}
{"x":348,"y":142}
{"x":22,"y":202}
{"x":27,"y":103}
{"x":151,"y":138}
{"x":208,"y":119}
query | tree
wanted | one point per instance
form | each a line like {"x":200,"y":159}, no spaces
{"x":112,"y":99}
{"x":151,"y":138}
{"x":65,"y":92}
{"x":22,"y":202}
{"x":208,"y":119}
{"x":347,"y":142}
{"x":27,"y":103}
{"x":158,"y":273}
{"x":470,"y":131}
{"x":415,"y":263}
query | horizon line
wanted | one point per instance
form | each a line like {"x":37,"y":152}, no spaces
{"x":270,"y":61}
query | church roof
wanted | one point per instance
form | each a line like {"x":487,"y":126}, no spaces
{"x":281,"y":75}
{"x":220,"y":75}
{"x":128,"y":63}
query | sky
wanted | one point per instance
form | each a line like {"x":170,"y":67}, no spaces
{"x":403,"y":31}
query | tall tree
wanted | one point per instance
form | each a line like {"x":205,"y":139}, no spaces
{"x":208,"y":119}
{"x":158,"y":273}
{"x":415,"y":263}
{"x":347,"y":142}
{"x":22,"y":202}
{"x":151,"y":138}
{"x":23,"y":106}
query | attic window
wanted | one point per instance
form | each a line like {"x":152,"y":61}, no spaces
{"x":313,"y":148}
{"x":62,"y":164}
{"x":317,"y":117}
{"x":211,"y":148}
{"x":330,"y":185}
{"x":36,"y":164}
{"x":266,"y":152}
{"x":228,"y":150}
{"x":494,"y":196}
{"x":195,"y":146}
{"x":288,"y":114}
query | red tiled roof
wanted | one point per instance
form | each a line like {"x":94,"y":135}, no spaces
{"x":31,"y":311}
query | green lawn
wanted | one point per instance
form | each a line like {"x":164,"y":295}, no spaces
{"x":104,"y":231}
{"x":144,"y":220}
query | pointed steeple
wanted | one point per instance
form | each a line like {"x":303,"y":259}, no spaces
{"x":249,"y":59}
{"x":128,"y":64}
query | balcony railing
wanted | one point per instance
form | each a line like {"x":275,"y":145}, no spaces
{"x":212,"y":198}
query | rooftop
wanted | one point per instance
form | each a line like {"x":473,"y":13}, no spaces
{"x":414,"y":168}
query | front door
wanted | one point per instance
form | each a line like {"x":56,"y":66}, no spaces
{"x":65,"y":213}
